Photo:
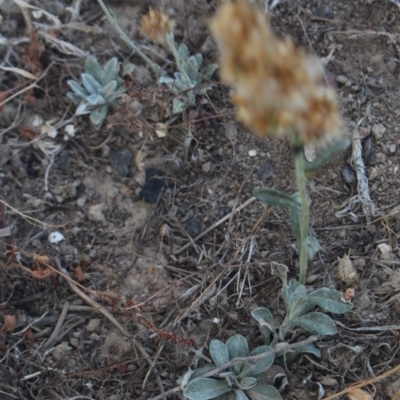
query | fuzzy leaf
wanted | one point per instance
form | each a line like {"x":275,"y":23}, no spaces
{"x":208,"y":71}
{"x":74,"y":97}
{"x":178,"y":105}
{"x":96,"y":100}
{"x":314,"y":322}
{"x":78,"y":89}
{"x":192,"y":70}
{"x":313,"y":246}
{"x":219,"y":352}
{"x":275,"y":198}
{"x":326,"y":154}
{"x":256,"y":367}
{"x":205,"y":388}
{"x":110,"y":71}
{"x":263,"y":392}
{"x":183,"y":52}
{"x":83,"y":108}
{"x":167,"y":80}
{"x":109,"y":89}
{"x":328,"y":299}
{"x":263,"y":313}
{"x":239,"y":395}
{"x":266,"y":322}
{"x":180,"y":83}
{"x":237,"y":348}
{"x":90,"y":84}
{"x":93,"y":68}
{"x":97,"y":116}
{"x":309,"y":348}
{"x":248,"y":382}
{"x":280,"y":270}
{"x":292,"y":294}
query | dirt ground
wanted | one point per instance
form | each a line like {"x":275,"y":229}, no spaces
{"x":119,"y":307}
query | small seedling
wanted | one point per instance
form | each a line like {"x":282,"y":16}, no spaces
{"x":102,"y":88}
{"x":240,"y":381}
{"x":187,"y":80}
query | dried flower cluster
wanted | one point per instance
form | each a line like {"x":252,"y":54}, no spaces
{"x":278,"y":88}
{"x":155,"y":25}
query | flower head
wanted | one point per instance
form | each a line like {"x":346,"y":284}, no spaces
{"x":155,"y":25}
{"x":278,"y":88}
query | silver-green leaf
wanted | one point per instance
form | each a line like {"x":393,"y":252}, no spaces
{"x":263,"y":392}
{"x":274,"y":197}
{"x":219,"y":352}
{"x":316,"y":323}
{"x":205,"y":388}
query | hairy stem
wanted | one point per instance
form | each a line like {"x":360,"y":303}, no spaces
{"x":304,"y":211}
{"x":111,"y":18}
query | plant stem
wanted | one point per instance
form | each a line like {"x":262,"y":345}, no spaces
{"x":111,"y":18}
{"x":179,"y":64}
{"x":305,"y":208}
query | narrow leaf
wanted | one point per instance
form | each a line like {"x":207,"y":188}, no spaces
{"x":78,"y":89}
{"x":96,"y":100}
{"x":97,"y":116}
{"x":183,"y":52}
{"x":209,"y":71}
{"x":292,"y":294}
{"x":110,"y":71}
{"x":74,"y":97}
{"x":275,"y":198}
{"x":219,"y":352}
{"x":91,"y":84}
{"x":316,"y":323}
{"x":109,"y":89}
{"x":294,"y":217}
{"x":205,"y":388}
{"x":93,"y":68}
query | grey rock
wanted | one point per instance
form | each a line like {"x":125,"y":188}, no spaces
{"x":266,"y":171}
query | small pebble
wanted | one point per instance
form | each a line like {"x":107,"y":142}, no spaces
{"x":93,"y":324}
{"x":325,"y":12}
{"x":252,"y":153}
{"x":194,"y":227}
{"x":153,"y":185}
{"x":378,"y":130}
{"x":341,"y":79}
{"x":206,"y":167}
{"x":121,"y":161}
{"x":393,"y":148}
{"x":266,"y":171}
